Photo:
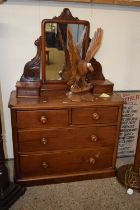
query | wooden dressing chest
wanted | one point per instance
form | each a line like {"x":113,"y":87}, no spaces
{"x":65,"y":116}
{"x":59,"y":140}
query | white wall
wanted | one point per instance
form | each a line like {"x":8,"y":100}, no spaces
{"x":20,"y":26}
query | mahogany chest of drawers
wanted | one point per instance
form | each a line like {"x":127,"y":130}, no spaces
{"x":57,"y":140}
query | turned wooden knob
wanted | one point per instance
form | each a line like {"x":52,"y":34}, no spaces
{"x":95,"y":116}
{"x":44,"y":140}
{"x":44,"y":165}
{"x":91,"y":160}
{"x":94,"y":138}
{"x":43,"y":120}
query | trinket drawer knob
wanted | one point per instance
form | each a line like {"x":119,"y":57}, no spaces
{"x":44,"y":165}
{"x":43,"y":120}
{"x":94,"y":138}
{"x":44,"y":141}
{"x":95,"y":116}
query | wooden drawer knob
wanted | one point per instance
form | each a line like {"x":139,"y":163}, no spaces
{"x":44,"y":165}
{"x":91,"y":160}
{"x":95,"y":116}
{"x":43,"y":120}
{"x":44,"y":141}
{"x":94,"y":138}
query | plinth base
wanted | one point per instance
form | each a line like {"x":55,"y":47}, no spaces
{"x":78,"y":97}
{"x":127,"y":177}
{"x":10,"y":195}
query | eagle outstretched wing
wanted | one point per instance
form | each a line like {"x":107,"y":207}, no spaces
{"x":94,"y":45}
{"x":74,"y":55}
{"x":72,"y":48}
{"x":80,"y":42}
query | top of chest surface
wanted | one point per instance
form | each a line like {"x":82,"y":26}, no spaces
{"x":54,"y":100}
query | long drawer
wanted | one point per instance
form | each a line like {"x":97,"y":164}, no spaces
{"x":65,"y":162}
{"x":59,"y":139}
{"x":42,"y":118}
{"x":94,"y":115}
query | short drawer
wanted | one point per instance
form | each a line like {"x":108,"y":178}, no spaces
{"x":42,"y":118}
{"x":94,"y":115}
{"x":65,"y":162}
{"x":67,"y":138}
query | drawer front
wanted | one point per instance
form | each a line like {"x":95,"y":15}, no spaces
{"x":65,"y":162}
{"x":42,"y":119}
{"x":94,"y":115}
{"x":52,"y":139}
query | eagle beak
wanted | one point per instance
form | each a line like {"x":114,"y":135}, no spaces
{"x":89,"y":66}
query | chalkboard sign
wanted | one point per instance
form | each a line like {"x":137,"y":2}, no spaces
{"x":130,"y":123}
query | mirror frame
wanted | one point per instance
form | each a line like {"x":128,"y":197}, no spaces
{"x":66,"y":18}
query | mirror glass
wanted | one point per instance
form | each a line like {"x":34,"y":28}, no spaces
{"x":55,"y":45}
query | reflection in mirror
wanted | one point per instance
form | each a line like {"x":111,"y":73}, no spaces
{"x":56,"y":44}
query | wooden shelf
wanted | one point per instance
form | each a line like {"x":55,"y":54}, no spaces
{"x":119,"y":2}
{"x":115,"y":2}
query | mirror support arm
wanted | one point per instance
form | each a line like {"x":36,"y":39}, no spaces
{"x":32,"y":68}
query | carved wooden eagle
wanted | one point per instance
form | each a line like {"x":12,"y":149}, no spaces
{"x":79,"y":67}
